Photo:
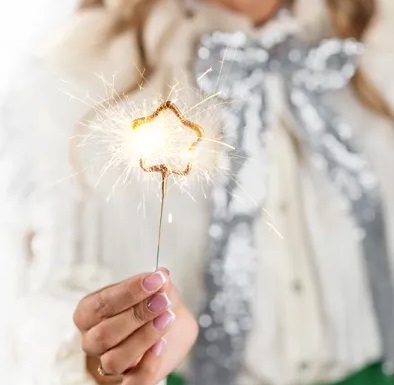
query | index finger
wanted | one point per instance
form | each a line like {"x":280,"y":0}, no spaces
{"x":112,"y":300}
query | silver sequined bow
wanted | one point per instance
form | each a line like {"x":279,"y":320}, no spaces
{"x":237,"y":65}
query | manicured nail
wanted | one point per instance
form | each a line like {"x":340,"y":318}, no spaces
{"x":164,"y":320}
{"x":158,"y":347}
{"x":165,"y":270}
{"x":154,"y":281}
{"x":158,"y":302}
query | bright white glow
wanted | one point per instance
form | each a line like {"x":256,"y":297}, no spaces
{"x":164,"y":140}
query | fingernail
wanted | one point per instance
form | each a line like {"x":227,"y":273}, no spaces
{"x":165,"y":270}
{"x":158,"y":347}
{"x":164,"y":320}
{"x":158,"y":302}
{"x":154,"y":281}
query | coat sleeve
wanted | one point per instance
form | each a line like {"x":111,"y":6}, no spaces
{"x":17,"y":188}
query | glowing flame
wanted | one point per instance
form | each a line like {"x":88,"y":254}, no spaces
{"x":180,"y":137}
{"x":166,"y":140}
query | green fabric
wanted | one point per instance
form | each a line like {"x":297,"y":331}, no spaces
{"x":371,"y":375}
{"x":175,"y":380}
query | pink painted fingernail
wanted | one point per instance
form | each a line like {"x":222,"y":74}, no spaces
{"x":158,"y":347}
{"x":164,"y":320}
{"x":165,"y":270}
{"x":159,"y":302}
{"x":154,"y":281}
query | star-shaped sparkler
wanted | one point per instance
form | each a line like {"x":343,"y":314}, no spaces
{"x":167,"y":144}
{"x":167,"y":141}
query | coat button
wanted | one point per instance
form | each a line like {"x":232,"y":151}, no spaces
{"x":303,"y":366}
{"x":283,"y":207}
{"x":297,"y":286}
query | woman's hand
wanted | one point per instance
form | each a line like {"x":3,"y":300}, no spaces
{"x":125,"y":325}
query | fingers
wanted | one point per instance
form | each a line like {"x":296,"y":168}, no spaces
{"x":158,"y":362}
{"x":112,"y":331}
{"x":158,"y":347}
{"x":115,"y":299}
{"x":148,"y":370}
{"x":123,"y":356}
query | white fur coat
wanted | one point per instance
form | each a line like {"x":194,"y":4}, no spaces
{"x":81,"y":240}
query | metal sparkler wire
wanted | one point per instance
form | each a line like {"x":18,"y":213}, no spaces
{"x":167,"y":169}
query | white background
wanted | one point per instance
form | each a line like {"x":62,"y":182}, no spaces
{"x":24,"y":25}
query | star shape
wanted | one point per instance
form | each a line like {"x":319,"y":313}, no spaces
{"x":171,"y":137}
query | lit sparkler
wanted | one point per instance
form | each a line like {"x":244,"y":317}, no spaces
{"x":160,"y":153}
{"x":179,"y":138}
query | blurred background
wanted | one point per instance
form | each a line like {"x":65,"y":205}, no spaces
{"x":24,"y":25}
{"x":351,"y":350}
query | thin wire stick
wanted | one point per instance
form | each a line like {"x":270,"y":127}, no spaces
{"x":164,"y":179}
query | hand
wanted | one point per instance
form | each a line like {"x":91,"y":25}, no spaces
{"x":125,"y":325}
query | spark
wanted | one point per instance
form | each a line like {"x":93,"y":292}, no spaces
{"x":209,"y":70}
{"x":160,"y":142}
{"x":159,"y":145}
{"x":208,"y":98}
{"x":274,"y":229}
{"x":220,"y":143}
{"x":270,"y":222}
{"x":179,"y":138}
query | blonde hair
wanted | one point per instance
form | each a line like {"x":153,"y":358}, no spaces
{"x":352,"y":18}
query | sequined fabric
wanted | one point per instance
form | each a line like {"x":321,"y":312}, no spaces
{"x":237,"y":66}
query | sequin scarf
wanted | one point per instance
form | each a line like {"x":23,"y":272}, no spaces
{"x":237,"y":65}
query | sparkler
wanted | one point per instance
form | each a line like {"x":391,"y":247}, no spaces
{"x":157,"y":156}
{"x":179,"y":138}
